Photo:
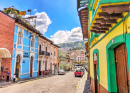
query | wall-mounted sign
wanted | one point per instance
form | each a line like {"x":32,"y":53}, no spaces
{"x":113,"y":40}
{"x":95,"y":58}
{"x":25,"y":54}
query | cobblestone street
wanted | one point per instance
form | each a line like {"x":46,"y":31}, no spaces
{"x":55,"y":84}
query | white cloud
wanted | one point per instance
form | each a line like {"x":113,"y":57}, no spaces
{"x":42,"y":21}
{"x":67,"y":36}
{"x":34,"y":9}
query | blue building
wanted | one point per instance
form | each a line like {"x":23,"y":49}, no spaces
{"x":25,"y":50}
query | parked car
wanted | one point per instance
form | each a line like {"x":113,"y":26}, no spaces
{"x":83,"y":70}
{"x":78,"y":73}
{"x":61,"y":72}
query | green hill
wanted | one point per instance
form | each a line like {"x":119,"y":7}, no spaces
{"x":73,"y":45}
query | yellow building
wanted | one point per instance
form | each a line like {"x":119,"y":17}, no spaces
{"x":108,"y":32}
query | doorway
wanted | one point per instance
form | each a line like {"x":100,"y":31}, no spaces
{"x":39,"y":67}
{"x":121,"y":65}
{"x":51,"y":68}
{"x":45,"y":65}
{"x":96,"y":78}
{"x":31,"y":66}
{"x":17,"y":71}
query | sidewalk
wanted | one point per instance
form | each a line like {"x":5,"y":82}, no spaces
{"x":83,"y":85}
{"x":5,"y":84}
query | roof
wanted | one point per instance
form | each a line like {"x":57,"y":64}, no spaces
{"x":83,"y":16}
{"x":30,"y":27}
{"x":46,"y":38}
{"x":55,"y":45}
{"x":81,"y":3}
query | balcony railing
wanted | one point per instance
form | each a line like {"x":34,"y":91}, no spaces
{"x":47,"y":53}
{"x":42,"y":53}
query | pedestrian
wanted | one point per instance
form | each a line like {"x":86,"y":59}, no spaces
{"x":7,"y":79}
{"x":14,"y":76}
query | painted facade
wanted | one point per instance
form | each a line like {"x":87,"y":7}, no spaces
{"x":54,"y":58}
{"x":48,"y":57}
{"x":6,"y":44}
{"x":25,"y":55}
{"x":109,"y":46}
{"x":44,"y":55}
{"x":24,"y":51}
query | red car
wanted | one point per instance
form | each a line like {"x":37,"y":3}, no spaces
{"x":78,"y":73}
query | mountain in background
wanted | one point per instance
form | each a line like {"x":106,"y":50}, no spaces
{"x":73,"y":45}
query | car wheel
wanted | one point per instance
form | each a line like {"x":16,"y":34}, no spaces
{"x":75,"y":75}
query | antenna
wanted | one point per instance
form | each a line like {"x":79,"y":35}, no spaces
{"x":31,"y":17}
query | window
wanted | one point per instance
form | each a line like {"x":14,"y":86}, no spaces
{"x":27,"y":32}
{"x":32,"y":41}
{"x":54,"y":53}
{"x":20,"y":38}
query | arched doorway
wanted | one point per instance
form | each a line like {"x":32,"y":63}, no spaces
{"x":4,"y":53}
{"x":117,"y":64}
{"x":17,"y":66}
{"x":31,"y":66}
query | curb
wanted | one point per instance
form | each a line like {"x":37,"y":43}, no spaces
{"x":77,"y":86}
{"x":19,"y":82}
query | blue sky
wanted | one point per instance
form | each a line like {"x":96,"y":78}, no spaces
{"x":62,"y":14}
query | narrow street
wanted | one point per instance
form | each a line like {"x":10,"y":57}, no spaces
{"x":55,"y":84}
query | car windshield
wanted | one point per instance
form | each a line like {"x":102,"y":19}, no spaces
{"x":61,"y":70}
{"x":78,"y":70}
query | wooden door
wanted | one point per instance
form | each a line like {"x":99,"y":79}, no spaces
{"x":46,"y":65}
{"x":31,"y":66}
{"x":17,"y":71}
{"x":39,"y":67}
{"x":121,"y":64}
{"x":96,"y":78}
{"x":51,"y":68}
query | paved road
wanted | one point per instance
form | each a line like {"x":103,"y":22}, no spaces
{"x":55,"y":84}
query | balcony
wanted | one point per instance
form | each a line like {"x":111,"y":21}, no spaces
{"x":47,"y":53}
{"x":42,"y":53}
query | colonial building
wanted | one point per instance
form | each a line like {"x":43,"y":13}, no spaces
{"x":44,"y":56}
{"x":108,"y":32}
{"x":54,"y":58}
{"x":48,"y":56}
{"x":25,"y":50}
{"x":7,"y":24}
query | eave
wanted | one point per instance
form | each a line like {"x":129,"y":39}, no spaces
{"x":107,"y":15}
{"x":83,"y":16}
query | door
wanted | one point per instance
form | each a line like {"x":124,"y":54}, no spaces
{"x":121,"y":64}
{"x":39,"y":67}
{"x":45,"y":65}
{"x":17,"y":66}
{"x":17,"y":69}
{"x":96,"y":78}
{"x":31,"y":66}
{"x":51,"y":68}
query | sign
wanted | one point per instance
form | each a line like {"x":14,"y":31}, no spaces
{"x":113,"y":40}
{"x":22,"y":13}
{"x":25,"y":54}
{"x":95,"y":58}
